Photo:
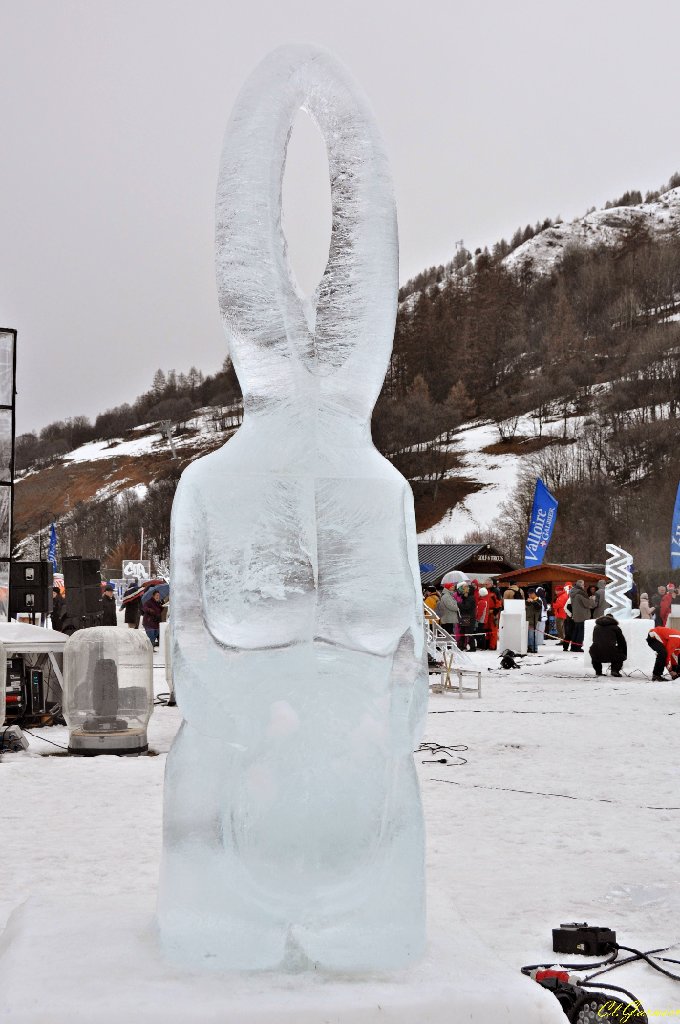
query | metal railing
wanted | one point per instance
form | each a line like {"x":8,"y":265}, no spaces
{"x":440,"y":643}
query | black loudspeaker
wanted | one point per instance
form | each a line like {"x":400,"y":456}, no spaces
{"x":30,"y":587}
{"x":82,"y":582}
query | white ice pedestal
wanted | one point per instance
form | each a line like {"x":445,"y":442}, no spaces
{"x":512,"y":629}
{"x":674,"y":617}
{"x":102,"y":964}
{"x":640,"y":656}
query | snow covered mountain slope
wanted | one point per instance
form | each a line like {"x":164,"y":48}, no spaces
{"x":600,"y":228}
{"x":497,"y":473}
{"x":496,"y":467}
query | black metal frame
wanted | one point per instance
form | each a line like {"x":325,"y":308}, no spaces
{"x":10,"y":483}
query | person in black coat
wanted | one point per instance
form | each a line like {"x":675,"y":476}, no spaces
{"x":57,"y":609}
{"x":109,"y":606}
{"x":468,"y":617}
{"x":609,"y":645}
{"x":133,"y":609}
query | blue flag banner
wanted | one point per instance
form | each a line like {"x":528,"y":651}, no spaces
{"x":52,"y":550}
{"x":543,"y":516}
{"x":675,"y":534}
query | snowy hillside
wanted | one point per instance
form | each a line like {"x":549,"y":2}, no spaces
{"x":601,"y":227}
{"x":496,"y":473}
{"x":495,"y":468}
{"x":100,"y":470}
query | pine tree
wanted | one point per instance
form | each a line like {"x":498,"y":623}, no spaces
{"x":159,"y":383}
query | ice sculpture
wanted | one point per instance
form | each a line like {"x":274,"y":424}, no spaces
{"x":293,"y":831}
{"x":620,"y":582}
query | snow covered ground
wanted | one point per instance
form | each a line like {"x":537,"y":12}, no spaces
{"x":567,"y":808}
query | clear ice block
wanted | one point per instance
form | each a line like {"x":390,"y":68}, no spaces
{"x":293,"y":831}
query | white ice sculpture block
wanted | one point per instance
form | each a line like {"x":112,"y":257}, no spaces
{"x":674,"y":617}
{"x":620,"y":582}
{"x":640,"y":655}
{"x":293,"y":829}
{"x":512,"y":628}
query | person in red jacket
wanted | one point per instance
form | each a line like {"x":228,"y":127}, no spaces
{"x":559,"y":609}
{"x":481,"y":614}
{"x":665,"y":606}
{"x":665,"y":643}
{"x":493,"y":615}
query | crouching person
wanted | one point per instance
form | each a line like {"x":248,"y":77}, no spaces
{"x":665,"y":642}
{"x":608,"y":646}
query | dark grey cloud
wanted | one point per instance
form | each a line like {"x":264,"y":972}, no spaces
{"x":111,"y":120}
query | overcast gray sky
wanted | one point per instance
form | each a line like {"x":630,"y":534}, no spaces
{"x":111,"y":119}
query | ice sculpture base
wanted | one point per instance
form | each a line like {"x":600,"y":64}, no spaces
{"x":640,"y":656}
{"x":102,"y":962}
{"x":512,"y":628}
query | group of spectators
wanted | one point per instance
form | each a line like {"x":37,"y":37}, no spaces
{"x":659,"y":608}
{"x":470,"y":611}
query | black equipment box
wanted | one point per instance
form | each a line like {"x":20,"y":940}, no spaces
{"x":584,"y":939}
{"x":24,"y":689}
{"x":35,"y":691}
{"x":15,"y":687}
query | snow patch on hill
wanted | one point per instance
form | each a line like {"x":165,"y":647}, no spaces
{"x":93,"y":451}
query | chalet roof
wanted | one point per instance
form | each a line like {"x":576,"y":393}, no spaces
{"x":593,"y":567}
{"x":553,"y":572}
{"x":438,"y":559}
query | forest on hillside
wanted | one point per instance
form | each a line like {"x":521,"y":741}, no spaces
{"x":591,"y":352}
{"x":594,"y":351}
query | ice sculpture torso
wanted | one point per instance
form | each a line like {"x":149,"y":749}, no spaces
{"x":293,"y":830}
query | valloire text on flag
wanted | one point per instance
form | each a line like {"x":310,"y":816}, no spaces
{"x":675,"y":533}
{"x":543,"y":516}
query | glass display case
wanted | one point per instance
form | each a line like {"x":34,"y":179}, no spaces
{"x":108,"y":690}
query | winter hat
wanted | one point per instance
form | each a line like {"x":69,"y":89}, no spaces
{"x":483,"y":591}
{"x":644,"y":595}
{"x":449,"y":586}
